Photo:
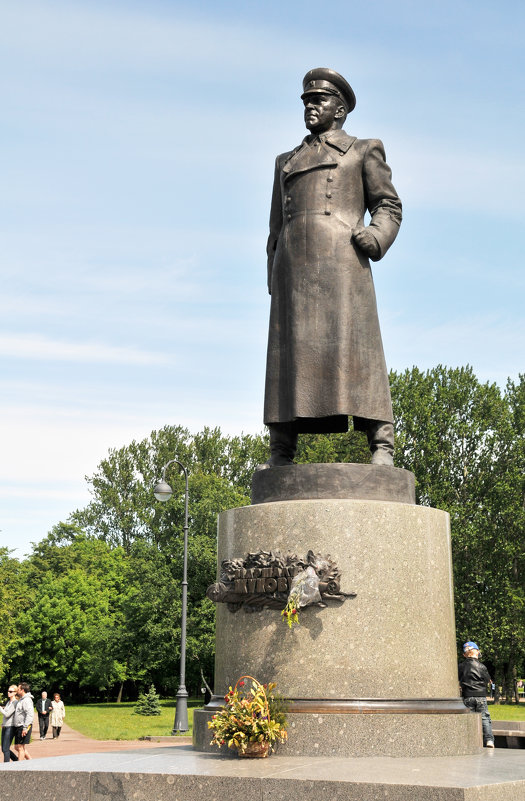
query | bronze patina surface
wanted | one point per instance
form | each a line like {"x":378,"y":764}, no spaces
{"x":301,"y":482}
{"x":325,"y":354}
{"x":265,"y":578}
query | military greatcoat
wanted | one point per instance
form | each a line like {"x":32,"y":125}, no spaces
{"x":325,"y":355}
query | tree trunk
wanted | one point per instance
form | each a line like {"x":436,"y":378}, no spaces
{"x":510,"y":682}
{"x":515,"y":690}
{"x":119,"y":696}
{"x":498,"y":681}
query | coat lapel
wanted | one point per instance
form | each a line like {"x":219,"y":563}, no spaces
{"x":307,"y":157}
{"x":341,"y":141}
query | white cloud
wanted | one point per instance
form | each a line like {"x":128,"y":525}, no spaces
{"x":32,"y":490}
{"x":33,"y":346}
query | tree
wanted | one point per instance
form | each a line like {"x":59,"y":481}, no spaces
{"x":148,"y":703}
{"x":124,"y":513}
{"x":350,"y":446}
{"x":68,"y":628}
{"x":11,"y":597}
{"x":463,"y":440}
{"x":123,"y":508}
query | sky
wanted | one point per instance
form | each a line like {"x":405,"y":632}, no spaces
{"x":137,"y":151}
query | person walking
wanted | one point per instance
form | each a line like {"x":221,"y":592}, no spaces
{"x":58,"y":713}
{"x":23,"y":720}
{"x":43,"y":707}
{"x":473,"y":679}
{"x":8,"y":730}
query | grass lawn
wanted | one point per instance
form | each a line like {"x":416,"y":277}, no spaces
{"x":507,"y":711}
{"x":117,"y":721}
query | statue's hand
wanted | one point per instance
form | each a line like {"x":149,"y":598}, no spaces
{"x":367,"y":242}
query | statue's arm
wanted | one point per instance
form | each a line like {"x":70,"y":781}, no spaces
{"x":382,"y":200}
{"x":276,"y":220}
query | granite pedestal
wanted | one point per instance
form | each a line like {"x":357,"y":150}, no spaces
{"x":377,"y":673}
{"x":181,"y":774}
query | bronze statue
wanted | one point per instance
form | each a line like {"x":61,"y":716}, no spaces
{"x":325,"y":354}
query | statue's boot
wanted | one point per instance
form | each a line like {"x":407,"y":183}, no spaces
{"x":283,"y":445}
{"x":381,"y":442}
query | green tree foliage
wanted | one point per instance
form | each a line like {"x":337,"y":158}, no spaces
{"x":350,"y":446}
{"x":100,"y":604}
{"x":123,"y":510}
{"x":11,"y":596}
{"x":124,"y":513}
{"x":69,"y":618}
{"x":464,"y":441}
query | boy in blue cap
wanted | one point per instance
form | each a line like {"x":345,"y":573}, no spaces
{"x":473,"y":678}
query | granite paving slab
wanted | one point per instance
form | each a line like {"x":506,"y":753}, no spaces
{"x":181,"y":774}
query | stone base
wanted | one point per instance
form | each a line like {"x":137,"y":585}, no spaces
{"x":365,"y":735}
{"x":306,"y":482}
{"x":179,"y":774}
{"x":375,"y":672}
{"x":394,"y":640}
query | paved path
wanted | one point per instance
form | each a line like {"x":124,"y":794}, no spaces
{"x":72,"y":742}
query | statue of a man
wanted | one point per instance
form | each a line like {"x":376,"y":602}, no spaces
{"x":325,"y":354}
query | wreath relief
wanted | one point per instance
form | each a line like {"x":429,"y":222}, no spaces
{"x":279,"y":581}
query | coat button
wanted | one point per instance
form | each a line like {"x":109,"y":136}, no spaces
{"x":329,"y":178}
{"x":328,"y":194}
{"x":289,"y":216}
{"x":328,"y":212}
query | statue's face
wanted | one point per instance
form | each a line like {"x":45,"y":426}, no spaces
{"x":322,"y":112}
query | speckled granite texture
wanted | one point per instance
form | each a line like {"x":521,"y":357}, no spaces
{"x":366,"y":735}
{"x":396,"y":639}
{"x":180,"y":774}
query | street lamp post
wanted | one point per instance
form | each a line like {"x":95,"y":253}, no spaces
{"x":163,"y":492}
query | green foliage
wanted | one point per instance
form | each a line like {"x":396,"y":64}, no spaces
{"x":278,"y":705}
{"x":148,"y":703}
{"x":350,"y":446}
{"x":465,"y":443}
{"x":70,"y":613}
{"x":12,"y":592}
{"x":123,"y":512}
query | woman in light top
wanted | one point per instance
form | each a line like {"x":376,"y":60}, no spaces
{"x":58,"y":713}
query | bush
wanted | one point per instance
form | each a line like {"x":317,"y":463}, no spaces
{"x":148,"y":703}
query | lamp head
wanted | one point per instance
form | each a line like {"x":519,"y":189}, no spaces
{"x":162,"y":491}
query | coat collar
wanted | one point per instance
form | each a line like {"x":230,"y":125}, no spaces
{"x":304,"y":157}
{"x":340,"y":140}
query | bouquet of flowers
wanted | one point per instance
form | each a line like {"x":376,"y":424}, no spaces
{"x":253,"y":719}
{"x":303,"y":592}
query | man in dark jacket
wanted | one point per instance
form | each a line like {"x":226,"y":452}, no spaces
{"x":43,"y":707}
{"x":473,"y":678}
{"x":325,"y":354}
